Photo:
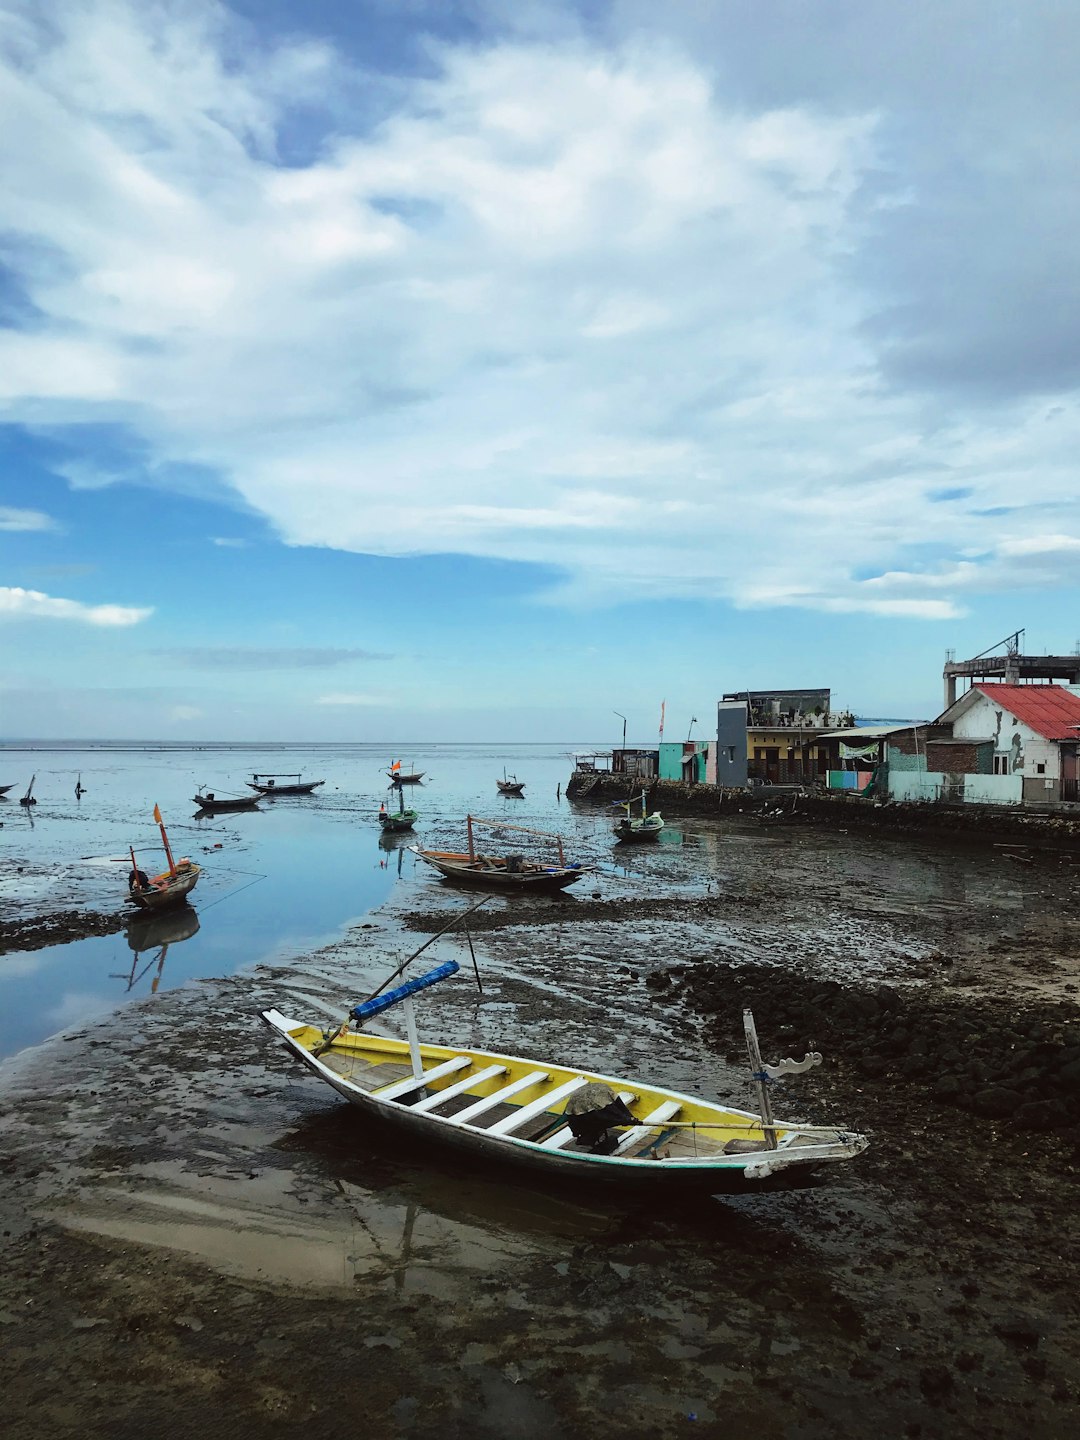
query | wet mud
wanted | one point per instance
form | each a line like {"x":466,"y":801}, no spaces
{"x":198,"y":1239}
{"x":57,"y":928}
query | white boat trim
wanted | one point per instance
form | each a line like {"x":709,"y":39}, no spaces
{"x":463,"y":1117}
{"x":417,"y":1082}
{"x":430,"y":1102}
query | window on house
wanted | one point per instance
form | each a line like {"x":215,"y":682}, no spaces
{"x":1001,"y":764}
{"x":1040,"y":769}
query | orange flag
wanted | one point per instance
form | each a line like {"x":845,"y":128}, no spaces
{"x":396,"y":765}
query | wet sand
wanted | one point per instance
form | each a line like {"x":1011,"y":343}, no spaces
{"x":199,"y":1239}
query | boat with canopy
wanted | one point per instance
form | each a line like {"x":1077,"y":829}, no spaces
{"x":266,"y":783}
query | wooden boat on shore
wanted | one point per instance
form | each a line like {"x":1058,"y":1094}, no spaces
{"x":169,"y":888}
{"x":511,"y":785}
{"x":267,"y":784}
{"x":558,"y":1120}
{"x":213,"y":803}
{"x":28,"y":798}
{"x":512,"y":872}
{"x":634,"y":828}
{"x":5,"y":788}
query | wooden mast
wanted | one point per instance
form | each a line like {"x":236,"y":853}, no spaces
{"x":165,"y":840}
{"x":760,"y":1078}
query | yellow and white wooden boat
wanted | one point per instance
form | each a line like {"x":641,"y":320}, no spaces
{"x":543,"y":1115}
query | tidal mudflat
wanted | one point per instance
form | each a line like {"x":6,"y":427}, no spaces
{"x":200,"y":1239}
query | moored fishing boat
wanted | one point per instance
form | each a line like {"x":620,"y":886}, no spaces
{"x":514,"y":872}
{"x":558,"y":1119}
{"x":633,"y":827}
{"x":401,"y":776}
{"x":399,"y":820}
{"x":511,"y":785}
{"x":28,"y":799}
{"x":5,"y":788}
{"x":211,"y":802}
{"x":267,"y":784}
{"x":169,"y":888}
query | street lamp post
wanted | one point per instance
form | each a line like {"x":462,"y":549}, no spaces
{"x":622,"y":717}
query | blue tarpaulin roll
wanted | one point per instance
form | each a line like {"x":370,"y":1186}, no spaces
{"x":383,"y":1002}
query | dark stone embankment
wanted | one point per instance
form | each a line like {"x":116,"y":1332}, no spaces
{"x":58,"y":928}
{"x":791,"y":805}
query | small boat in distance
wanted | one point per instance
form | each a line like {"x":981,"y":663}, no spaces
{"x":212,"y":803}
{"x":396,"y":821}
{"x":503,"y":872}
{"x":5,"y":788}
{"x":557,"y":1119}
{"x":169,"y":888}
{"x":511,"y":785}
{"x":28,"y":798}
{"x":266,"y":784}
{"x":404,"y":777}
{"x":632,"y":827}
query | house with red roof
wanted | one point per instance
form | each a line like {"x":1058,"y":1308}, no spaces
{"x":1035,"y":730}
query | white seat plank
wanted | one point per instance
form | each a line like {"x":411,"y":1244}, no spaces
{"x":463,"y":1117}
{"x":565,"y":1135}
{"x":417,"y":1082}
{"x":536,"y":1107}
{"x":438,"y":1096}
{"x":655,"y":1117}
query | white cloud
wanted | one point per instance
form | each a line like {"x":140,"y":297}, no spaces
{"x":614,"y":334}
{"x":11,"y":519}
{"x":228,"y":543}
{"x":16,"y":603}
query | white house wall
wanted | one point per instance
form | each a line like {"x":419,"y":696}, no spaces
{"x":985,"y":718}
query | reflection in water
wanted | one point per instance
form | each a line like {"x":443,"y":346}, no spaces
{"x":398,"y":843}
{"x":157,"y":933}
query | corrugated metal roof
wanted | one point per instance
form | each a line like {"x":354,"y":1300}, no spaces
{"x":1050,"y":710}
{"x":867,"y":732}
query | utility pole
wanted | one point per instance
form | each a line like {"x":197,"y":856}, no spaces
{"x":622,"y":717}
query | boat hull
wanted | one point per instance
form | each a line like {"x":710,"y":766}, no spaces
{"x":166,"y":891}
{"x":272,"y":790}
{"x":244,"y":803}
{"x":396,"y":824}
{"x":718,"y":1175}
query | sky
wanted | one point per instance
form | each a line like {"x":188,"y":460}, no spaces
{"x":411,"y":369}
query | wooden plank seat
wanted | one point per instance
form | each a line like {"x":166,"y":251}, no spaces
{"x":639,"y":1132}
{"x":564,"y":1135}
{"x":439,"y":1097}
{"x":417,"y":1082}
{"x":497,"y":1097}
{"x":536,"y":1107}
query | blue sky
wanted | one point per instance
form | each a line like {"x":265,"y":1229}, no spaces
{"x":428,"y":370}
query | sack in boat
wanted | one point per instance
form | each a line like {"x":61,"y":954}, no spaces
{"x":592,"y":1111}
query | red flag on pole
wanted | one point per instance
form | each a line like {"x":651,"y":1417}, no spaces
{"x":663,"y":703}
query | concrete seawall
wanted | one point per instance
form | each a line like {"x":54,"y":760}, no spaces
{"x":793,"y":805}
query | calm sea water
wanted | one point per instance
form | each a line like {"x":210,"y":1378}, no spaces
{"x":276,"y":882}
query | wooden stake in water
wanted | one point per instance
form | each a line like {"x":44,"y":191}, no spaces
{"x":757,"y":1071}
